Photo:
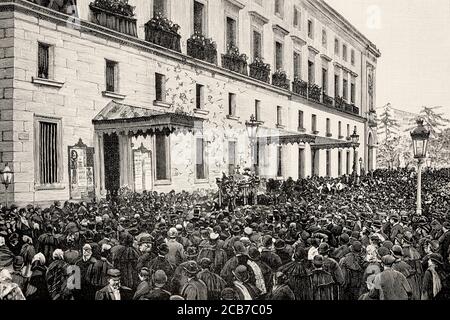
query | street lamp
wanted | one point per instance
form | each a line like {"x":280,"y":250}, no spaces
{"x":252,"y":131}
{"x":355,"y":143}
{"x":7,"y":176}
{"x":420,"y":137}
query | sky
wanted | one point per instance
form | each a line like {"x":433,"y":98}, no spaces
{"x":414,"y":39}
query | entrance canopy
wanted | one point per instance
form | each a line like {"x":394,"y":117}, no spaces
{"x":329,"y":143}
{"x":117,"y":117}
{"x":282,"y":137}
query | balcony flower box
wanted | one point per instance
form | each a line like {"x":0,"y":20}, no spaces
{"x":348,"y":107}
{"x":234,"y":61}
{"x":279,"y":79}
{"x":300,"y":87}
{"x":314,"y":92}
{"x":62,"y":6}
{"x":260,"y":70}
{"x":114,"y":14}
{"x":202,"y":48}
{"x":339,"y":103}
{"x":355,"y":109}
{"x":163,"y":32}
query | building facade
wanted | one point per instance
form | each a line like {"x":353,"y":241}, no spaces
{"x":93,"y":99}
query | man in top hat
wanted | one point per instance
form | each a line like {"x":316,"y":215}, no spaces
{"x":268,"y":255}
{"x":113,"y":290}
{"x":158,"y":293}
{"x":194,"y":289}
{"x":242,"y":287}
{"x":321,"y":281}
{"x":392,"y":284}
{"x":176,"y":251}
{"x":283,"y":250}
{"x":402,"y":266}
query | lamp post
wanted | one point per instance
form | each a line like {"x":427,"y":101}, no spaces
{"x":420,"y":137}
{"x":355,"y":143}
{"x":252,"y":131}
{"x":7,"y":176}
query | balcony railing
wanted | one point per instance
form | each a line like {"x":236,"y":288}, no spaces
{"x":234,"y":61}
{"x":279,"y":79}
{"x":202,"y":48}
{"x":163,"y":32}
{"x":339,"y":103}
{"x":63,"y":6}
{"x":300,"y":87}
{"x":114,"y":20}
{"x":314,"y":92}
{"x":327,"y":100}
{"x":260,"y":70}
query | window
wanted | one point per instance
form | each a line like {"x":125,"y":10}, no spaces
{"x":160,"y":87}
{"x":348,"y":162}
{"x":314,"y":123}
{"x":340,"y":163}
{"x":297,"y":65}
{"x":345,"y":89}
{"x":336,"y":85}
{"x":336,"y":46}
{"x":199,"y":17}
{"x":231,"y":157}
{"x":310,"y":29}
{"x":200,"y":159}
{"x":325,"y":80}
{"x":297,"y":18}
{"x":300,"y":119}
{"x":232,"y":104}
{"x":199,"y":96}
{"x":48,"y":150}
{"x":258,"y":110}
{"x":278,"y":55}
{"x":160,"y":6}
{"x":279,"y":4}
{"x":111,"y":76}
{"x":328,"y":127}
{"x":279,"y":161}
{"x":348,"y":131}
{"x":311,"y":72}
{"x":344,"y":52}
{"x":340,"y":129}
{"x":352,"y":92}
{"x":44,"y":63}
{"x":257,"y":44}
{"x":231,"y":31}
{"x":352,"y":57}
{"x":324,"y":38}
{"x":279,"y":116}
{"x":162,"y":156}
{"x":328,"y":163}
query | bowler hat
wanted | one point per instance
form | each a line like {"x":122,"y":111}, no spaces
{"x":113,"y":273}
{"x":356,"y":247}
{"x":191,"y":252}
{"x":323,"y":248}
{"x":241,"y":273}
{"x":436,"y":258}
{"x":159,"y":278}
{"x":205,"y":263}
{"x":280,"y":244}
{"x":318,"y":261}
{"x":163,"y":249}
{"x":388,"y":260}
{"x":254,"y":254}
{"x":191,"y":267}
{"x":397,"y":251}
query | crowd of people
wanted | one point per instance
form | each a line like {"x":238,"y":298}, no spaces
{"x":312,"y":239}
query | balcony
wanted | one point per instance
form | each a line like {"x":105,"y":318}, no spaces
{"x":115,"y":15}
{"x":372,"y":119}
{"x":234,"y":61}
{"x":300,"y":87}
{"x":327,"y":100}
{"x":260,"y":70}
{"x":339,"y":103}
{"x":62,"y":6}
{"x":279,"y":79}
{"x":163,"y":32}
{"x":202,"y":48}
{"x":314,"y":92}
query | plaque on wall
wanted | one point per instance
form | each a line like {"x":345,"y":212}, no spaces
{"x":81,"y":172}
{"x":142,"y":169}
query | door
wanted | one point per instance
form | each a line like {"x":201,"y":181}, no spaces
{"x":112,"y":163}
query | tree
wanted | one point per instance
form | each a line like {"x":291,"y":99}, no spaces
{"x":388,"y":127}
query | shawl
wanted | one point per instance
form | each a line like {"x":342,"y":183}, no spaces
{"x":260,"y":283}
{"x":437,"y":285}
{"x":240,"y":286}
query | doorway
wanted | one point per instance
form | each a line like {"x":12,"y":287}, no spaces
{"x":112,"y":163}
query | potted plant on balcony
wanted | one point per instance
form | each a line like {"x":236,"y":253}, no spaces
{"x":314,"y":92}
{"x":279,"y":79}
{"x":114,"y":14}
{"x":300,"y":87}
{"x":200,"y":47}
{"x":163,"y":32}
{"x":235,"y":61}
{"x":260,"y":70}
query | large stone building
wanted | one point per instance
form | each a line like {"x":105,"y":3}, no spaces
{"x":92,"y":100}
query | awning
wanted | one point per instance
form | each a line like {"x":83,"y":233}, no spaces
{"x":329,"y":143}
{"x":131,"y":120}
{"x":285,"y":137}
